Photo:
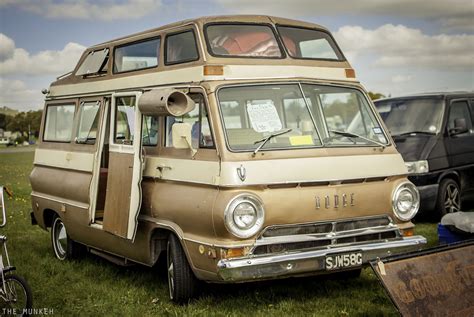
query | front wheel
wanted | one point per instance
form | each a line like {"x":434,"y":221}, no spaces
{"x":63,"y":246}
{"x":449,"y":197}
{"x":18,"y":296}
{"x":181,"y":280}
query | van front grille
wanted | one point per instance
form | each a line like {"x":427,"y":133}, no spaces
{"x":287,"y":238}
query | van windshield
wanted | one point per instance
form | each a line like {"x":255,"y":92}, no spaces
{"x":406,"y":116}
{"x":326,"y":116}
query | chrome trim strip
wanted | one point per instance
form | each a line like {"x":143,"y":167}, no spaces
{"x":61,"y":201}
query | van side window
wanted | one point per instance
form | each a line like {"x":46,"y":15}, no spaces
{"x":198,"y":119}
{"x":459,"y":110}
{"x":181,"y":48}
{"x":150,"y":131}
{"x":124,"y":120}
{"x":59,"y":122}
{"x":137,"y":56}
{"x":88,"y":122}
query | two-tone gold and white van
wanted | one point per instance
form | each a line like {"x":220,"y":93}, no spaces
{"x":242,"y":147}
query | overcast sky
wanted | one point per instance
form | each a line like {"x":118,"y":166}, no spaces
{"x":397,"y":47}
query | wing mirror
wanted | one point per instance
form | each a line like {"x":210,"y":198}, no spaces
{"x":460,"y":126}
{"x":181,"y":135}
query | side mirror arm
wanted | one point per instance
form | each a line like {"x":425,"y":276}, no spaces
{"x":193,"y":150}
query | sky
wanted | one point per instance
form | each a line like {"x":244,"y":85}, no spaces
{"x":397,"y":47}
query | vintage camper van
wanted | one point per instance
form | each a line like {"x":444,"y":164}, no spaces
{"x":227,"y":145}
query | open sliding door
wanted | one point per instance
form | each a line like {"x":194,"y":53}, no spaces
{"x":123,"y":195}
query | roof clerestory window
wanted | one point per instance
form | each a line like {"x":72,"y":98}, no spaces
{"x":94,"y":63}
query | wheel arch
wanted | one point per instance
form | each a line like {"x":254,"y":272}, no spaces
{"x":158,"y":239}
{"x":48,"y":216}
{"x":454,"y":175}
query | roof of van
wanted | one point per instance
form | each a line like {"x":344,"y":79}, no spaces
{"x":219,"y":18}
{"x":430,"y":94}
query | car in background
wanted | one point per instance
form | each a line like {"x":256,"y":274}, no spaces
{"x":434,"y":133}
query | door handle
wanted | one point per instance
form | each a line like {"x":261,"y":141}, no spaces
{"x":162,"y":167}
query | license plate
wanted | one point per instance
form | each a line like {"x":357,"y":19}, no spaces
{"x":343,"y":260}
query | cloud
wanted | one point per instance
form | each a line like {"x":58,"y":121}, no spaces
{"x":401,"y":78}
{"x":397,"y":46}
{"x":106,"y":10}
{"x":7,"y":47}
{"x":15,"y":94}
{"x":18,"y":61}
{"x":452,"y":15}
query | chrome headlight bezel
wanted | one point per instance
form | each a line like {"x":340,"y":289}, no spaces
{"x":256,"y":204}
{"x":406,"y":187}
{"x":417,"y":167}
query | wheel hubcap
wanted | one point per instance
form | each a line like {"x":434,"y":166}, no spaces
{"x":170,"y":272}
{"x":452,"y":201}
{"x":61,"y":238}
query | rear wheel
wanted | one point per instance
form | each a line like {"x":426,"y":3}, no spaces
{"x":63,"y":246}
{"x":18,"y":296}
{"x":449,"y":197}
{"x":181,"y":280}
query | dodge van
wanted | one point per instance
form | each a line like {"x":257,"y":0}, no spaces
{"x":235,"y":148}
{"x":434,"y":134}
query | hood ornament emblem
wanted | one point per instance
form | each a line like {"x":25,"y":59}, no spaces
{"x":241,"y":172}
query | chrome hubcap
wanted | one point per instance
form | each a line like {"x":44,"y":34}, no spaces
{"x":61,"y":238}
{"x":452,"y":199}
{"x":170,"y":272}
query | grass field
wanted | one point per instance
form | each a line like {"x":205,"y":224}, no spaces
{"x":94,"y":287}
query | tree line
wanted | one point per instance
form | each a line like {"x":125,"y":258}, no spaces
{"x":27,"y":124}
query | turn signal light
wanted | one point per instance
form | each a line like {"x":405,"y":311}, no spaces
{"x":408,"y":232}
{"x":213,"y":70}
{"x":234,"y":253}
{"x":350,"y":73}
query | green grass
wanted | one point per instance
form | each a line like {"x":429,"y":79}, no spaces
{"x":94,"y":286}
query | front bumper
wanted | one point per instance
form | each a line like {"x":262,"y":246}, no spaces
{"x":272,"y":266}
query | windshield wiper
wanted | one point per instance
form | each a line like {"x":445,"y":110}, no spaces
{"x":353,"y":135}
{"x":266,"y":139}
{"x":414,"y":132}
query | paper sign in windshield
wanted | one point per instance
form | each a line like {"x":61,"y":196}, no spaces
{"x":297,"y":140}
{"x":264,"y":117}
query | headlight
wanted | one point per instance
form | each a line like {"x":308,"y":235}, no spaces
{"x":405,"y":201}
{"x":417,"y":167}
{"x":244,"y":215}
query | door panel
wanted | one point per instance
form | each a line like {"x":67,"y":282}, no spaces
{"x":460,"y":147}
{"x":123,"y":195}
{"x":116,"y":213}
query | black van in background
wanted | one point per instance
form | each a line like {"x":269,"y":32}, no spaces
{"x":435,"y":135}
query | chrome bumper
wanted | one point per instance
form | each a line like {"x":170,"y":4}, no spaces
{"x":306,"y":262}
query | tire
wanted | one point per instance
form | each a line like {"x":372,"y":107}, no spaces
{"x":181,"y":280}
{"x":18,"y":294}
{"x":449,"y":197}
{"x":64,"y":248}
